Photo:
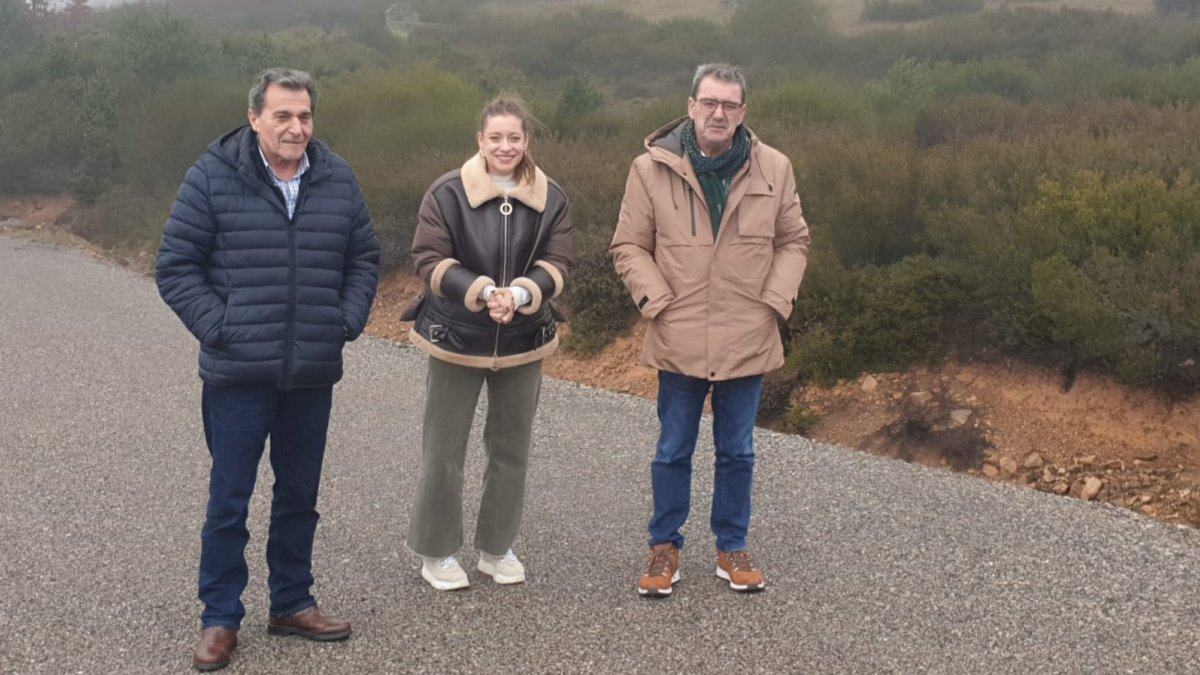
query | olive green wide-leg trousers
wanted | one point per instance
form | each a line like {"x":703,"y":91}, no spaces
{"x":451,"y":392}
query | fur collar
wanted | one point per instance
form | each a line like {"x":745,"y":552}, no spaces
{"x":480,"y":188}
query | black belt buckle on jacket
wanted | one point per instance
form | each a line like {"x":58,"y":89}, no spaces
{"x":439,"y":333}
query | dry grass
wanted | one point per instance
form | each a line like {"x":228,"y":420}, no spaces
{"x":651,"y":10}
{"x":844,"y":15}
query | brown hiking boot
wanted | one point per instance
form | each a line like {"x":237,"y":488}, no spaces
{"x":662,"y":570}
{"x":737,"y":568}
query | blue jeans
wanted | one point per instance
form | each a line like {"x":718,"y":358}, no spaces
{"x":237,"y":422}
{"x":680,"y":404}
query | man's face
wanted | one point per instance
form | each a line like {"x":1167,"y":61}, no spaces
{"x":283,"y":126}
{"x":716,"y":110}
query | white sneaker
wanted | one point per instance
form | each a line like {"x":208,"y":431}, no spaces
{"x":503,"y":569}
{"x":444,"y":574}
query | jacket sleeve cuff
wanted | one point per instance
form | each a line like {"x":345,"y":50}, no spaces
{"x":471,"y":300}
{"x":535,"y":295}
{"x":652,"y":308}
{"x":777,"y":302}
{"x":555,"y":276}
{"x":439,"y":272}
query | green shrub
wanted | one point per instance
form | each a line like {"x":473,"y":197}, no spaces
{"x":786,"y":31}
{"x":1081,"y":317}
{"x":864,"y":191}
{"x":816,"y":355}
{"x":908,"y":85}
{"x":40,"y":138}
{"x":162,"y":131}
{"x":961,"y":119}
{"x":810,"y":101}
{"x":98,"y":156}
{"x":599,"y":306}
{"x":580,"y":96}
{"x":1009,"y":79}
{"x":18,"y":31}
{"x":916,"y":10}
{"x":124,"y":218}
{"x":877,"y":318}
{"x":400,"y":131}
{"x":159,"y":46}
{"x":799,"y":420}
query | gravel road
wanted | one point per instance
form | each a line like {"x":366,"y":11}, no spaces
{"x":872,"y":565}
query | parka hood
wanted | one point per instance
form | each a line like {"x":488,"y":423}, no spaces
{"x":669,"y":137}
{"x":239,"y":149}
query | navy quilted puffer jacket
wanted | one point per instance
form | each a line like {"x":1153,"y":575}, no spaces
{"x":272,"y":300}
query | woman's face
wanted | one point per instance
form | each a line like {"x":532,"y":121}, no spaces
{"x":502,"y":144}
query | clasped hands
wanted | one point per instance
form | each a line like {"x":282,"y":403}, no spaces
{"x":501,"y":305}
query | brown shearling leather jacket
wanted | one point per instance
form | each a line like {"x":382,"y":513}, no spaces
{"x":470,"y":234}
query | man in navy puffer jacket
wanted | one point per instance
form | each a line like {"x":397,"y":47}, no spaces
{"x":270,"y":260}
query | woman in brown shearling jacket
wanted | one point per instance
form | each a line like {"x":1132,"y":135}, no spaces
{"x":493,"y":246}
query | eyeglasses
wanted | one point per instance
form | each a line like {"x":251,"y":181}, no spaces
{"x":710,"y":104}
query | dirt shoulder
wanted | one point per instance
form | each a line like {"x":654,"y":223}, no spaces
{"x":1010,"y":422}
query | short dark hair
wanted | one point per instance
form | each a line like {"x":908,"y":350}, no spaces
{"x":719,"y":71}
{"x":286,"y":78}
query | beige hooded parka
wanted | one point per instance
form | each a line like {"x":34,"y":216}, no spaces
{"x":711,"y":306}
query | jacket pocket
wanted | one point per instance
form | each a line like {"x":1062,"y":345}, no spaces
{"x":221,"y":334}
{"x":753,"y":249}
{"x":684,"y":260}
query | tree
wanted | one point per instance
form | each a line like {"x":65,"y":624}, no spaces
{"x":16,"y":27}
{"x":160,"y":46}
{"x":908,"y":84}
{"x":74,"y":16}
{"x":580,"y":96}
{"x":98,"y":156}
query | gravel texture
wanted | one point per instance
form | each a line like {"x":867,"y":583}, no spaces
{"x":872,"y":565}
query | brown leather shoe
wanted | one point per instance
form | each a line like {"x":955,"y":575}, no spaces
{"x":215,"y":648}
{"x":311,"y":624}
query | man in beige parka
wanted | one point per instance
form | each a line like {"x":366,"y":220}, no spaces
{"x":712,"y":246}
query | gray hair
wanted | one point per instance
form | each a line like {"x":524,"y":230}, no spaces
{"x":286,"y":78}
{"x":719,"y":71}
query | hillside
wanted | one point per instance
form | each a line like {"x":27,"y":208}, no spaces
{"x":844,"y":15}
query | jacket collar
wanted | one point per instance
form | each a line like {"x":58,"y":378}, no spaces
{"x":239,"y":149}
{"x":481,"y":189}
{"x":669,"y":138}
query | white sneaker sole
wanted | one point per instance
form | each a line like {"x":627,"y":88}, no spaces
{"x":490,"y":570}
{"x":444,"y":585}
{"x":739,"y":587}
{"x":653,"y":593}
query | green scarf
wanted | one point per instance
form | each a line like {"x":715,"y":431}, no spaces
{"x":715,"y":173}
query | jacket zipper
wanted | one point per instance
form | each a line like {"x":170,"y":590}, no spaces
{"x":505,"y":212}
{"x":290,"y":348}
{"x":692,"y":207}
